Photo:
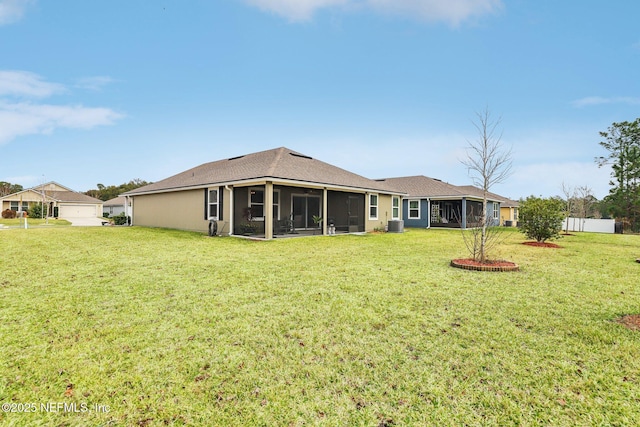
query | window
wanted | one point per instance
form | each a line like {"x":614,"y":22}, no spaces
{"x":395,"y":207}
{"x":496,"y":210}
{"x":256,"y":203}
{"x":213,"y":204}
{"x":16,"y":205}
{"x":373,"y":206}
{"x":414,"y":209}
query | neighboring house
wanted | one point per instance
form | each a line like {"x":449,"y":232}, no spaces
{"x":509,"y":212}
{"x":115,"y":206}
{"x":508,"y":208}
{"x":266,"y":194}
{"x":59,"y":201}
{"x":430,"y":202}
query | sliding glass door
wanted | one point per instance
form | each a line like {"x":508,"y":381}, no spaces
{"x":304,"y":208}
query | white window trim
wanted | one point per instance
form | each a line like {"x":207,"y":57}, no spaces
{"x":374,"y":206}
{"x":496,"y":210}
{"x":209,"y":203}
{"x":395,"y":207}
{"x":409,"y":209}
{"x":264,"y":196}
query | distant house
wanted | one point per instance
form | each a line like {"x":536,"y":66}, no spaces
{"x":58,"y":200}
{"x":115,"y":206}
{"x":267,"y":194}
{"x":430,"y":202}
{"x":509,"y":212}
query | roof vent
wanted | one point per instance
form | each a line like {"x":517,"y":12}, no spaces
{"x":235,"y":158}
{"x":301,"y":155}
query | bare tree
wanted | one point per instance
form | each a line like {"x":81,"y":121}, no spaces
{"x":585,"y":201}
{"x":570,"y":196}
{"x":488,"y":163}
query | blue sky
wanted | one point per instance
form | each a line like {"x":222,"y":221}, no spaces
{"x":108,"y":91}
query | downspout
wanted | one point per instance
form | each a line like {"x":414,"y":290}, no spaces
{"x":428,"y":213}
{"x":230,"y":190}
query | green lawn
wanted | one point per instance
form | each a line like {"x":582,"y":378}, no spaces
{"x":174,"y":328}
{"x":32,"y":222}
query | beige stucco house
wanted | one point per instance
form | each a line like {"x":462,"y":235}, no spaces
{"x":509,"y":212}
{"x":58,"y":200}
{"x":266,"y":194}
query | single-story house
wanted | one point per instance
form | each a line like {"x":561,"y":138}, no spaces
{"x":115,"y":206}
{"x":431,"y":202}
{"x":266,"y":194}
{"x":508,"y":207}
{"x":58,"y":201}
{"x":509,"y":212}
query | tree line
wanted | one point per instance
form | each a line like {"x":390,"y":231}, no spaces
{"x":105,"y":193}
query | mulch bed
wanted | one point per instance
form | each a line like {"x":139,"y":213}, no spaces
{"x":542,"y":244}
{"x":496,"y":265}
{"x":631,"y":321}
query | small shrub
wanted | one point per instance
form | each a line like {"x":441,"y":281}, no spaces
{"x":541,"y":219}
{"x":121,"y":219}
{"x":8,"y":214}
{"x":35,"y":211}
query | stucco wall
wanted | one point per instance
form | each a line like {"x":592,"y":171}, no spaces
{"x":182,"y":210}
{"x":384,"y":213}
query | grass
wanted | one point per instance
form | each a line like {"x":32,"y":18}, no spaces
{"x":174,"y":328}
{"x":32,"y":222}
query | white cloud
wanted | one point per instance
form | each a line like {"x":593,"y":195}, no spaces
{"x":20,"y":118}
{"x":27,"y":119}
{"x":27,"y":181}
{"x":600,"y":100}
{"x":546,"y":178}
{"x":451,"y":11}
{"x":26,"y":84}
{"x":95,"y":83}
{"x":12,"y":10}
{"x":295,"y":10}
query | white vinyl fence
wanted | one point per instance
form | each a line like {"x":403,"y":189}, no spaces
{"x":590,"y":225}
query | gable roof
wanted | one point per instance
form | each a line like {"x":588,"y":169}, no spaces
{"x":421,"y":186}
{"x":116,"y":201}
{"x":492,"y":196}
{"x":277,"y":164}
{"x":55,"y":192}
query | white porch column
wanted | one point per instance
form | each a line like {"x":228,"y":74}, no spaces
{"x":268,"y":210}
{"x":325,"y":209}
{"x":231,"y":210}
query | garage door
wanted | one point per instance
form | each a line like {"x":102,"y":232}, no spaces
{"x":77,"y":211}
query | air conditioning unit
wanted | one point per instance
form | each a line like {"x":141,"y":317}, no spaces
{"x":396,"y":226}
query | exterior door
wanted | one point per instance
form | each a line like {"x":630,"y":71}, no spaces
{"x":355,"y":206}
{"x":304,"y":208}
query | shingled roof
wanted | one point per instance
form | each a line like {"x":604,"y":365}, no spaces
{"x":59,"y":193}
{"x":280,"y":163}
{"x":470,"y":189}
{"x":421,"y":186}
